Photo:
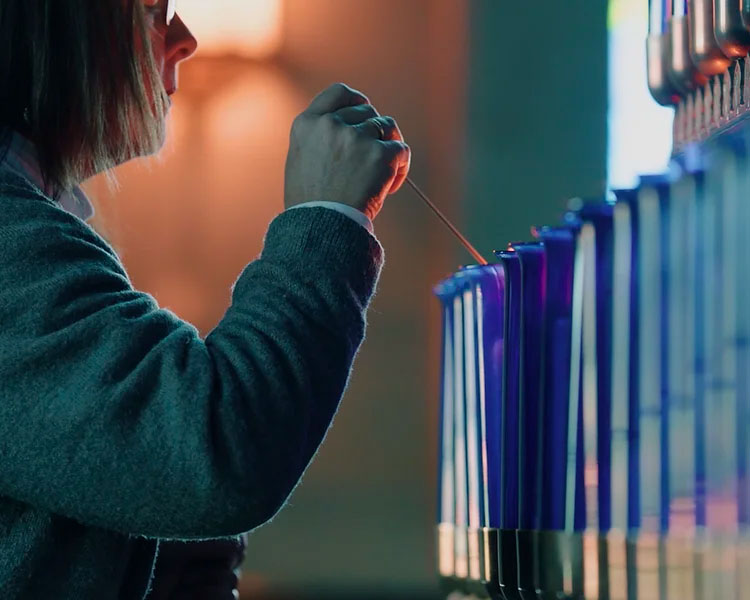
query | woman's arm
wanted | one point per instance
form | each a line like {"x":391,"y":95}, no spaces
{"x":117,"y":414}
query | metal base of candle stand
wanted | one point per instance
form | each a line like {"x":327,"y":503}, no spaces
{"x":509,"y":564}
{"x":475,"y":583}
{"x":453,"y":558}
{"x":743,"y":567}
{"x":445,"y":550}
{"x":527,"y":542}
{"x":491,"y":554}
{"x":590,"y":566}
{"x":560,"y":565}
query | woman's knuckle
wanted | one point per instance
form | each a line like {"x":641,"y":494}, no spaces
{"x":379,"y":152}
{"x":299,"y":121}
{"x":328,"y":122}
{"x":350,"y":134}
{"x":388,"y":171}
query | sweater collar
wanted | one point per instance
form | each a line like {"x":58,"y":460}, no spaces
{"x":22,"y":158}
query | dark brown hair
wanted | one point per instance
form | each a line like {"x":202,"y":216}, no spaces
{"x":75,"y":78}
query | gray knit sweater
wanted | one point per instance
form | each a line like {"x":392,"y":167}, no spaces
{"x":119,"y":424}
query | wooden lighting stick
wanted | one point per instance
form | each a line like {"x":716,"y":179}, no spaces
{"x":471,"y":249}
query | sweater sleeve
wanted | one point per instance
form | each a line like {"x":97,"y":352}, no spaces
{"x":357,"y":215}
{"x":117,"y":414}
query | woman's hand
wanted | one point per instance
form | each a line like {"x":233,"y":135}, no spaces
{"x":199,"y":570}
{"x":336,"y":153}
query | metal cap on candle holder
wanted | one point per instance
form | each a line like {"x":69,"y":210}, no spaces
{"x":704,"y":49}
{"x":658,"y":50}
{"x":731,"y":34}
{"x":745,"y":12}
{"x":682,"y":70}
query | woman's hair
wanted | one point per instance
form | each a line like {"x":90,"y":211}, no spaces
{"x":76,"y":79}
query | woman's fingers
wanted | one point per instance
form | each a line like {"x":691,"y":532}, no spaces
{"x":387,"y":125}
{"x":399,"y":155}
{"x":353,"y":115}
{"x":341,"y":149}
{"x":366,"y":118}
{"x":335,"y":97}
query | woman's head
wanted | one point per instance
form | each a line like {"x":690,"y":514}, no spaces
{"x":88,"y":80}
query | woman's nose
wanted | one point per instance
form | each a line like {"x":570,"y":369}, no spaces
{"x":180,"y":42}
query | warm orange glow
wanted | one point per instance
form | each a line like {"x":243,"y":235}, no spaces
{"x":735,"y":50}
{"x":713,"y":66}
{"x":186,"y":222}
{"x":251,"y":28}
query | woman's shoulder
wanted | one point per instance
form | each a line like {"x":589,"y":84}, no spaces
{"x":21,"y":198}
{"x":15,"y":185}
{"x":28,"y":216}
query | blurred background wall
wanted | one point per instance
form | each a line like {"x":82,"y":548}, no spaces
{"x":505,"y":111}
{"x":537,"y":126}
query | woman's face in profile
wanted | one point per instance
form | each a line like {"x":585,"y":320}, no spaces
{"x":171,"y":44}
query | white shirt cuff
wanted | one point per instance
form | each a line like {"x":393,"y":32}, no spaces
{"x":345,"y":209}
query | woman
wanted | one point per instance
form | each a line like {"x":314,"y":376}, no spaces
{"x":119,"y":426}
